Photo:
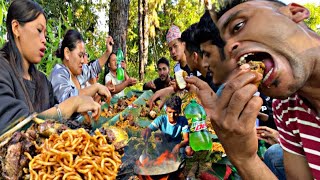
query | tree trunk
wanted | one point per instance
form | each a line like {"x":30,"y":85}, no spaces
{"x":118,"y":23}
{"x":143,"y":36}
{"x":141,"y":44}
{"x":146,"y":25}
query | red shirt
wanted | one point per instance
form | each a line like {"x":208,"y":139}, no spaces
{"x":299,"y":129}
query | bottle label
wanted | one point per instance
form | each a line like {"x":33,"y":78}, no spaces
{"x":198,"y":126}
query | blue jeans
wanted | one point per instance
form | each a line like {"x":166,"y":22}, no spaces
{"x":273,"y":158}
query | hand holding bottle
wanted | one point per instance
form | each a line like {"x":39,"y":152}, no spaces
{"x":109,"y":44}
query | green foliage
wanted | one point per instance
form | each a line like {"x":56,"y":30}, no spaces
{"x":72,"y":14}
{"x":314,"y":20}
{"x":82,"y":15}
{"x":3,"y":15}
{"x":53,"y":40}
{"x":64,"y":15}
{"x":1,"y":12}
{"x":61,"y":16}
{"x":162,"y":14}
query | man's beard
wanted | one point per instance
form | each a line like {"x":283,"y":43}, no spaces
{"x":163,"y":78}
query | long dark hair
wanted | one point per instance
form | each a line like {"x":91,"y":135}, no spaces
{"x":70,"y":40}
{"x":23,"y":11}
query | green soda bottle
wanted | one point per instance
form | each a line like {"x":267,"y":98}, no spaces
{"x":199,"y":138}
{"x":120,"y":71}
{"x":262,"y":149}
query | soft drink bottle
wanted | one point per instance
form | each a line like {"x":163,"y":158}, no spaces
{"x":120,"y":71}
{"x":262,"y":148}
{"x":199,"y":138}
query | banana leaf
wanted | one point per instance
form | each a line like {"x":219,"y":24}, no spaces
{"x":140,"y":101}
{"x":103,"y":121}
{"x":131,"y":93}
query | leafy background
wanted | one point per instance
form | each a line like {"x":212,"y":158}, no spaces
{"x":83,"y":15}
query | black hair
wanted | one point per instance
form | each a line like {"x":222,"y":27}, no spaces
{"x":174,"y":102}
{"x":106,"y":68}
{"x":180,"y":40}
{"x":226,"y":5}
{"x":70,"y":40}
{"x":108,"y":61}
{"x":163,"y":60}
{"x":188,"y":36}
{"x":208,"y":31}
{"x":23,"y":12}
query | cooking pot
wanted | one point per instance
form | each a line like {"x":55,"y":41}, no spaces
{"x":166,"y":167}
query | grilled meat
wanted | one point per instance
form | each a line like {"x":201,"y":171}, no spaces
{"x":12,"y":156}
{"x":258,"y":67}
{"x":255,"y":60}
{"x":11,"y":168}
{"x":50,"y":127}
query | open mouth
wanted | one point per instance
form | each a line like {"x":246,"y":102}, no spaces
{"x":260,"y":62}
{"x":42,"y":51}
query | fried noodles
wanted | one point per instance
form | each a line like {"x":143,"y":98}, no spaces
{"x":75,"y":154}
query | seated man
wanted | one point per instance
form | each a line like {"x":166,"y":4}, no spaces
{"x":174,"y":128}
{"x":164,"y":78}
{"x":111,"y":77}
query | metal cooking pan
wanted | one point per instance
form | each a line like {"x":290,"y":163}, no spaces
{"x":166,"y":167}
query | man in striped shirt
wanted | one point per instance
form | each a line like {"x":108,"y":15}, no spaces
{"x":274,"y":33}
{"x":299,"y":128}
